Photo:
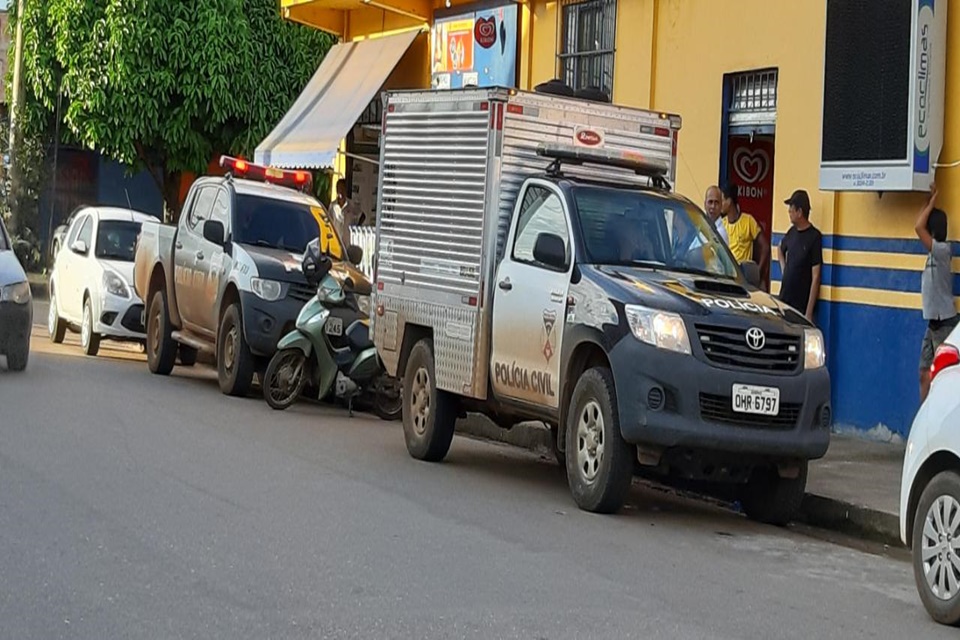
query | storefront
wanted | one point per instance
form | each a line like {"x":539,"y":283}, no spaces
{"x":747,"y":76}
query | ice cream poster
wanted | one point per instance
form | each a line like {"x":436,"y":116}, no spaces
{"x":478,"y":48}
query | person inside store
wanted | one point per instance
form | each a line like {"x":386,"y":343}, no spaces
{"x":801,"y":257}
{"x":345,"y":213}
{"x":936,"y":285}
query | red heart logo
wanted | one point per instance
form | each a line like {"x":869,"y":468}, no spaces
{"x":485,"y":32}
{"x":751,"y":165}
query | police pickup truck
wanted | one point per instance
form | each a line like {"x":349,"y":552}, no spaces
{"x":227,"y":279}
{"x":534,"y":264}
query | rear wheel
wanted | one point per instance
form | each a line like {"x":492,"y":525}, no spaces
{"x":771,"y":499}
{"x":429,"y":415}
{"x":285,"y":378}
{"x":388,"y":398}
{"x":89,"y":339}
{"x":161,"y":347}
{"x":599,"y":464}
{"x":56,"y":327}
{"x":235,"y":363}
{"x":936,"y":548}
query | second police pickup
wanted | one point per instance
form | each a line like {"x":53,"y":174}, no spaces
{"x":227,"y":279}
{"x":533,"y":263}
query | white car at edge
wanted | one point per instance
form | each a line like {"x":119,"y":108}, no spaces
{"x":930,"y":489}
{"x":91,"y":285}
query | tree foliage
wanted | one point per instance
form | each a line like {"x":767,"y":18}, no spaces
{"x":165,"y":84}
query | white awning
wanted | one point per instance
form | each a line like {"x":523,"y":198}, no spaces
{"x":349,"y":77}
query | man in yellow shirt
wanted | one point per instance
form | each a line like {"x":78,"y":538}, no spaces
{"x":743,"y":231}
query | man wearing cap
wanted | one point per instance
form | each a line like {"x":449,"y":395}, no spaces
{"x":801,"y":257}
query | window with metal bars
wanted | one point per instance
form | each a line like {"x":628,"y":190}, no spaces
{"x":754,"y":91}
{"x":587,"y":37}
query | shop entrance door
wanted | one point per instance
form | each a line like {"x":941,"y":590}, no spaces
{"x":748,"y":146}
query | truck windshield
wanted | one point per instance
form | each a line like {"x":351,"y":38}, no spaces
{"x":117,"y":240}
{"x":283,"y":225}
{"x":622,"y":227}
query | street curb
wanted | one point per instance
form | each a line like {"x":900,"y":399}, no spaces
{"x":526,"y":435}
{"x":818,"y":511}
{"x":838,"y":515}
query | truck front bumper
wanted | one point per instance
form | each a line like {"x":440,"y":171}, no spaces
{"x":671,"y":400}
{"x":264,"y":323}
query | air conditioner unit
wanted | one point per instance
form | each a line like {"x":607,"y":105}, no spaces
{"x":883,"y":94}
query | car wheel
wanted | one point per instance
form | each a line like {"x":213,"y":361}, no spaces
{"x":936,"y":548}
{"x":429,"y":415}
{"x":235,"y":364}
{"x":188,"y":356}
{"x":598,"y":459}
{"x":771,"y":499}
{"x":89,"y":339}
{"x":161,"y":347}
{"x":56,"y":327}
{"x":17,"y":356}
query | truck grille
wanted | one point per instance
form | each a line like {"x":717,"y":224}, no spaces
{"x":301,"y":292}
{"x":727,"y":346}
{"x":131,"y":320}
{"x":717,"y":408}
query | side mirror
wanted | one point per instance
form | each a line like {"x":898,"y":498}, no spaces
{"x":354,"y":254}
{"x":79,"y":246}
{"x":214,"y":232}
{"x":751,"y":271}
{"x":550,"y":251}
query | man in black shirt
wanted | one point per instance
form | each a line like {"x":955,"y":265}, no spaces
{"x":801,"y":257}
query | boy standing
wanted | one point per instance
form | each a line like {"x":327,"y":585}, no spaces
{"x":936,"y":286}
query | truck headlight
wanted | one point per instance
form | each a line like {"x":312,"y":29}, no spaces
{"x":18,"y":293}
{"x":363,"y":302}
{"x":269,"y":290}
{"x":814,"y":355}
{"x":114,"y":284}
{"x":658,"y":328}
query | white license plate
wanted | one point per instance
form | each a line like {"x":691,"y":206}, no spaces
{"x":334,"y":327}
{"x":764,"y":401}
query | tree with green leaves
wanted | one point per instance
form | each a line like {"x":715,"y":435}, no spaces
{"x":161,"y":84}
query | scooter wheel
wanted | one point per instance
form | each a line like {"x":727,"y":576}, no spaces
{"x":388,"y":400}
{"x":285,"y":378}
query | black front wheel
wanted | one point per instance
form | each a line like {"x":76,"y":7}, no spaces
{"x":285,"y":378}
{"x":235,"y":363}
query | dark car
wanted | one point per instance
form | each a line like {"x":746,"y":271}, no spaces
{"x":16,"y":310}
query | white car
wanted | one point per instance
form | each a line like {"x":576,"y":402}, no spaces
{"x":91,"y":285}
{"x":930,"y":488}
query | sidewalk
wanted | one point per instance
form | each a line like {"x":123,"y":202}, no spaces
{"x":38,"y":285}
{"x":855,"y":488}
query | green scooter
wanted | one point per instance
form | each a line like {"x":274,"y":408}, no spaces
{"x":330,"y":348}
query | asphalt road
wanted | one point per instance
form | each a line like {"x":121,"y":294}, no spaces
{"x":138,"y":506}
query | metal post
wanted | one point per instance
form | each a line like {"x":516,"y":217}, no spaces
{"x":56,"y":149}
{"x":14,"y":115}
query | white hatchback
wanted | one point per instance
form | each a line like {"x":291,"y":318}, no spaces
{"x":91,"y":285}
{"x":930,"y":488}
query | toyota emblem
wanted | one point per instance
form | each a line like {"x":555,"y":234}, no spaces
{"x":755,"y":338}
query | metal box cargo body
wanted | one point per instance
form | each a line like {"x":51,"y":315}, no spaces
{"x":451,"y":167}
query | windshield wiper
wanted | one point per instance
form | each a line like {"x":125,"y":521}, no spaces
{"x":649,"y":264}
{"x":277,"y":245}
{"x":702,"y":272}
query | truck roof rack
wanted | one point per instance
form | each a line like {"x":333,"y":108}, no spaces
{"x":576,"y":155}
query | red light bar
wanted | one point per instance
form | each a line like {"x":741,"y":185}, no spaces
{"x":249,"y":171}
